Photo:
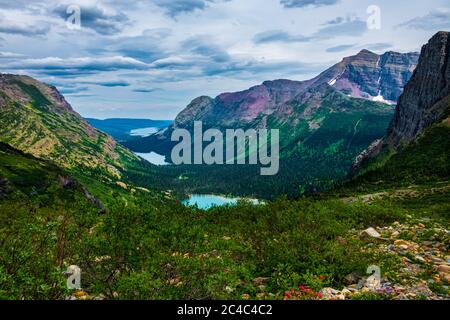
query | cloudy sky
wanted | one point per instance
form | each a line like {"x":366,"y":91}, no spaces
{"x":150,"y":58}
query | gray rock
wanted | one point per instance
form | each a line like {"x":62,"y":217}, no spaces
{"x":425,"y":99}
{"x":420,"y":258}
{"x":351,"y":279}
{"x":419,"y":105}
{"x":371,"y":232}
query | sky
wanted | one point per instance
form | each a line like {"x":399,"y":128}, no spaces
{"x":150,"y":58}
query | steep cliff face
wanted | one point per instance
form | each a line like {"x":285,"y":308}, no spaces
{"x":421,"y":103}
{"x":36,"y":119}
{"x":424,"y":102}
{"x":395,"y":71}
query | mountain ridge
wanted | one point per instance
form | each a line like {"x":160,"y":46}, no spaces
{"x":38,"y":120}
{"x":365,"y":75}
{"x":425,"y":101}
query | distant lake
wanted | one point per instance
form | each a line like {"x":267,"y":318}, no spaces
{"x":207,"y":201}
{"x":153,"y":158}
{"x":143,"y":132}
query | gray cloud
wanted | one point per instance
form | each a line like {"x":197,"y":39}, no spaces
{"x":348,"y":26}
{"x":306,"y":3}
{"x":341,"y":26}
{"x":371,"y":47}
{"x":10,"y":55}
{"x":13,"y":4}
{"x":72,"y":90}
{"x":24,"y":5}
{"x":340,"y":48}
{"x":144,"y":90}
{"x":24,"y":30}
{"x":435,"y":20}
{"x":109,"y":84}
{"x":176,"y":7}
{"x":182,"y":68}
{"x":378,"y":46}
{"x":145,"y":47}
{"x":243,"y":70}
{"x":278,"y":36}
{"x":98,"y":20}
{"x":77,"y":66}
{"x":203,"y":46}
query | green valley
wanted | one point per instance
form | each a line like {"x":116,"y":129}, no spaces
{"x":72,"y":198}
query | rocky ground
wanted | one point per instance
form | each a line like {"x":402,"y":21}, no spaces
{"x":421,"y":245}
{"x":423,"y":248}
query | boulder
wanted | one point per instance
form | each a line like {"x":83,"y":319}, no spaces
{"x":370,"y":234}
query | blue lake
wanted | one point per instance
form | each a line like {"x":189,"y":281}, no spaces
{"x":205,"y":201}
{"x":143,"y":132}
{"x":153,"y":158}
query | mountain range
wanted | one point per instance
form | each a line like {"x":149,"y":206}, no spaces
{"x":324,"y":124}
{"x":143,"y":244}
{"x":367,"y":76}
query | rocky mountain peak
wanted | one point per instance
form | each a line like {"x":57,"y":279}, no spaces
{"x":195,"y":110}
{"x":365,"y":55}
{"x":370,"y":76}
{"x":26,"y":89}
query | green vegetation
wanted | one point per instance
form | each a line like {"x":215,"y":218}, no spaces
{"x":38,"y":99}
{"x":146,"y":247}
{"x":317,"y":152}
{"x":133,"y":243}
{"x":42,"y":124}
{"x":423,"y":162}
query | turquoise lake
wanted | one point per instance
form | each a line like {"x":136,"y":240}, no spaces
{"x":205,"y":201}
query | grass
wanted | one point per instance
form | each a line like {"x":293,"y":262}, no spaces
{"x":148,"y":247}
{"x":163,"y":250}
